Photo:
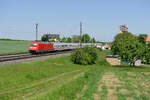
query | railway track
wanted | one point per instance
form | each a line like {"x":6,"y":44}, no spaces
{"x":28,"y":55}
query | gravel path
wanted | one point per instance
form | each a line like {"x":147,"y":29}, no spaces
{"x":31,"y":59}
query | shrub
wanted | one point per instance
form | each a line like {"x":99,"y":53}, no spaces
{"x":84,"y":56}
{"x":100,"y":49}
{"x":80,"y":57}
{"x":103,"y":62}
{"x":92,"y":52}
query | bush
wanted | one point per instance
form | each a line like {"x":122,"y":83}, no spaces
{"x":100,"y":49}
{"x":80,"y":57}
{"x":84,"y":56}
{"x":103,"y":62}
{"x":92,"y":52}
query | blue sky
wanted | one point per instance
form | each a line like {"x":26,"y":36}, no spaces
{"x":100,"y":18}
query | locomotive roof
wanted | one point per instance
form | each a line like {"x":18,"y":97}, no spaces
{"x":41,"y":42}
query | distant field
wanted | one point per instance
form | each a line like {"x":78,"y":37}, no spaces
{"x":13,"y":47}
{"x":59,"y":79}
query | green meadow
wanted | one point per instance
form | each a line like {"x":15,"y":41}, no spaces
{"x":13,"y":46}
{"x":59,"y":79}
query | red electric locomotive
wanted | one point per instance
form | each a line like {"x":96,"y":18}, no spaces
{"x":40,"y":47}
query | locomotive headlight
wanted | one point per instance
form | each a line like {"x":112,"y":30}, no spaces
{"x":32,"y":47}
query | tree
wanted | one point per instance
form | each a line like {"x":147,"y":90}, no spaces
{"x":146,"y":54}
{"x":146,"y":58}
{"x":85,"y":38}
{"x":69,"y":40}
{"x":148,"y":44}
{"x":142,"y":38}
{"x":63,"y":39}
{"x":128,"y":47}
{"x":93,"y":40}
{"x":75,"y":39}
{"x":58,"y":38}
{"x":52,"y":40}
{"x":44,"y":38}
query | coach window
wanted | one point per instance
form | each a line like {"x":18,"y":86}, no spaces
{"x":33,"y":44}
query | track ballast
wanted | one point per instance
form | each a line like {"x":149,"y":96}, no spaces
{"x":28,"y":55}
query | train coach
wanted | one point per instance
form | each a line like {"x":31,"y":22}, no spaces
{"x":41,"y":47}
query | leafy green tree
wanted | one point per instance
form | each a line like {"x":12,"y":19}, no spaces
{"x":146,"y":54}
{"x":58,"y":39}
{"x":63,"y":39}
{"x":44,"y":38}
{"x":85,"y":38}
{"x":148,"y":44}
{"x":69,"y":40}
{"x":128,"y":47}
{"x":52,"y":40}
{"x":142,"y":38}
{"x":93,"y":40}
{"x":75,"y":39}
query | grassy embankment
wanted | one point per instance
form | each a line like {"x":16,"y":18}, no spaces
{"x":8,"y":46}
{"x":60,"y":79}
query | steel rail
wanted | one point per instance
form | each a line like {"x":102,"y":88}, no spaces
{"x":28,"y":55}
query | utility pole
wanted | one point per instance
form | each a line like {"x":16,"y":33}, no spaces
{"x":92,"y":41}
{"x":84,"y":38}
{"x":36,"y":26}
{"x":80,"y":34}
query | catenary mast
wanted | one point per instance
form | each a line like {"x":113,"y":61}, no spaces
{"x":80,"y":34}
{"x":36,"y":26}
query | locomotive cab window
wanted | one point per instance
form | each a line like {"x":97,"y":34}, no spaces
{"x":33,"y":44}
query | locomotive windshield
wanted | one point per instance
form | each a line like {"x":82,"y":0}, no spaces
{"x":33,"y":44}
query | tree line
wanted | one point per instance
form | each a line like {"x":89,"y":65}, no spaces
{"x":85,"y":38}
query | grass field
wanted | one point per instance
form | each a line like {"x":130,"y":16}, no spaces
{"x":13,"y":47}
{"x":59,"y":79}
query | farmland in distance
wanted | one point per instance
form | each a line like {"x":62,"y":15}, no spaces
{"x":13,"y":46}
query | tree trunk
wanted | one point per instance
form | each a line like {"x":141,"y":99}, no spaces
{"x":133,"y":64}
{"x":130,"y":64}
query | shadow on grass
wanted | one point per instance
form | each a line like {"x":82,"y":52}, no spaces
{"x":130,"y":68}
